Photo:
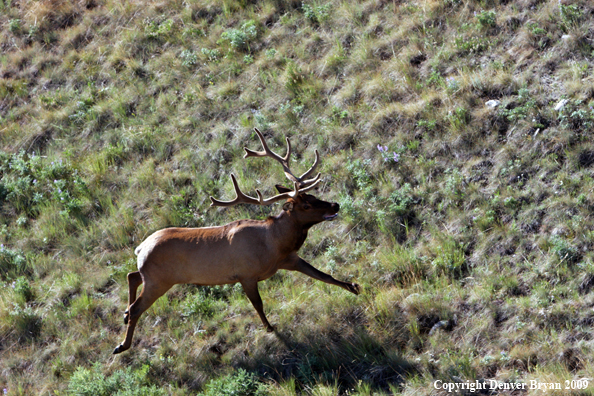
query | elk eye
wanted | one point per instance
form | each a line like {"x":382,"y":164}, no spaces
{"x":306,"y":206}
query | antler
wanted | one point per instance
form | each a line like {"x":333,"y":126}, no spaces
{"x":284,"y":161}
{"x":243,"y":198}
{"x":300,"y":185}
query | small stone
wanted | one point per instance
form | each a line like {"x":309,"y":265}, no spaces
{"x":439,"y":325}
{"x":561,"y":104}
{"x":492,"y":103}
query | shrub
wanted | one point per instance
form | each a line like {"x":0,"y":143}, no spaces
{"x":564,"y":250}
{"x":83,"y":112}
{"x":213,"y":55}
{"x":28,"y":182}
{"x":401,"y":200}
{"x":570,"y":14}
{"x":360,"y":174}
{"x":189,"y":58}
{"x":295,"y":78}
{"x":241,"y":383}
{"x":23,"y":289}
{"x":25,"y":322}
{"x":525,"y":106}
{"x":450,"y":259}
{"x":239,"y":39}
{"x":158,"y":30}
{"x":128,"y":382}
{"x":13,"y":263}
{"x":317,"y":13}
{"x":471,"y":45}
{"x":487,"y":18}
{"x":576,"y":116}
{"x":198,"y":304}
{"x":14,"y":25}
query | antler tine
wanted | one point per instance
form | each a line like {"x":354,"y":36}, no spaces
{"x":312,"y":186}
{"x":285,"y":161}
{"x":269,"y":153}
{"x":288,"y":155}
{"x":242,"y":198}
{"x":305,"y":183}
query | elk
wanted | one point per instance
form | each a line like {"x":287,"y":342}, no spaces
{"x":244,"y":251}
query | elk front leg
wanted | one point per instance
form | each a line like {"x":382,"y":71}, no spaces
{"x":296,"y":263}
{"x":251,"y":290}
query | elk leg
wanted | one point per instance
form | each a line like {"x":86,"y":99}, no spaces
{"x":298,"y":264}
{"x":149,"y":294}
{"x":251,"y":290}
{"x":134,"y":280}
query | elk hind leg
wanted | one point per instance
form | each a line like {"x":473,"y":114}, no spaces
{"x":149,"y":294}
{"x":134,"y":280}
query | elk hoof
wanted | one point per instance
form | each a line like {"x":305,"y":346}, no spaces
{"x":354,"y":288}
{"x":119,"y":349}
{"x":269,"y":329}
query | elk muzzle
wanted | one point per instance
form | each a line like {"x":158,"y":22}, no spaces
{"x":334,"y":207}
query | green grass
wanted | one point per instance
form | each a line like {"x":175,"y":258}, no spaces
{"x":469,"y":228}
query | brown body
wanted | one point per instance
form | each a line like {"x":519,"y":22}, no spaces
{"x":244,"y":251}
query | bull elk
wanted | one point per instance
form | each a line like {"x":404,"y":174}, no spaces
{"x":244,"y":251}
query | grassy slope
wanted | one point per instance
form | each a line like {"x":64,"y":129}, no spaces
{"x":120,"y":118}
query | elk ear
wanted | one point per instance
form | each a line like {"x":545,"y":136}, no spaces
{"x":282,"y":189}
{"x":288,"y":206}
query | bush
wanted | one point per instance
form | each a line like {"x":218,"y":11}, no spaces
{"x":189,"y":58}
{"x":564,"y":250}
{"x":317,"y":13}
{"x":28,"y":182}
{"x":241,"y":383}
{"x":25,"y":322}
{"x":23,"y":289}
{"x":213,"y":55}
{"x":450,"y":259}
{"x":487,"y":18}
{"x":198,"y":304}
{"x":13,"y":263}
{"x":156,"y":30}
{"x":401,"y":200}
{"x":93,"y":382}
{"x":239,"y":39}
{"x":525,"y":106}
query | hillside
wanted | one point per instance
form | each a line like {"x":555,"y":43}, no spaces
{"x":468,"y":225}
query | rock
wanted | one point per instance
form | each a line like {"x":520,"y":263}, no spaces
{"x":492,"y":103}
{"x":441,"y":324}
{"x":561,"y":104}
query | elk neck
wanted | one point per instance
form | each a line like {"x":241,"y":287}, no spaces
{"x":290,"y":233}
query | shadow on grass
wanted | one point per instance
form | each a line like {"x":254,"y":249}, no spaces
{"x":344,"y":358}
